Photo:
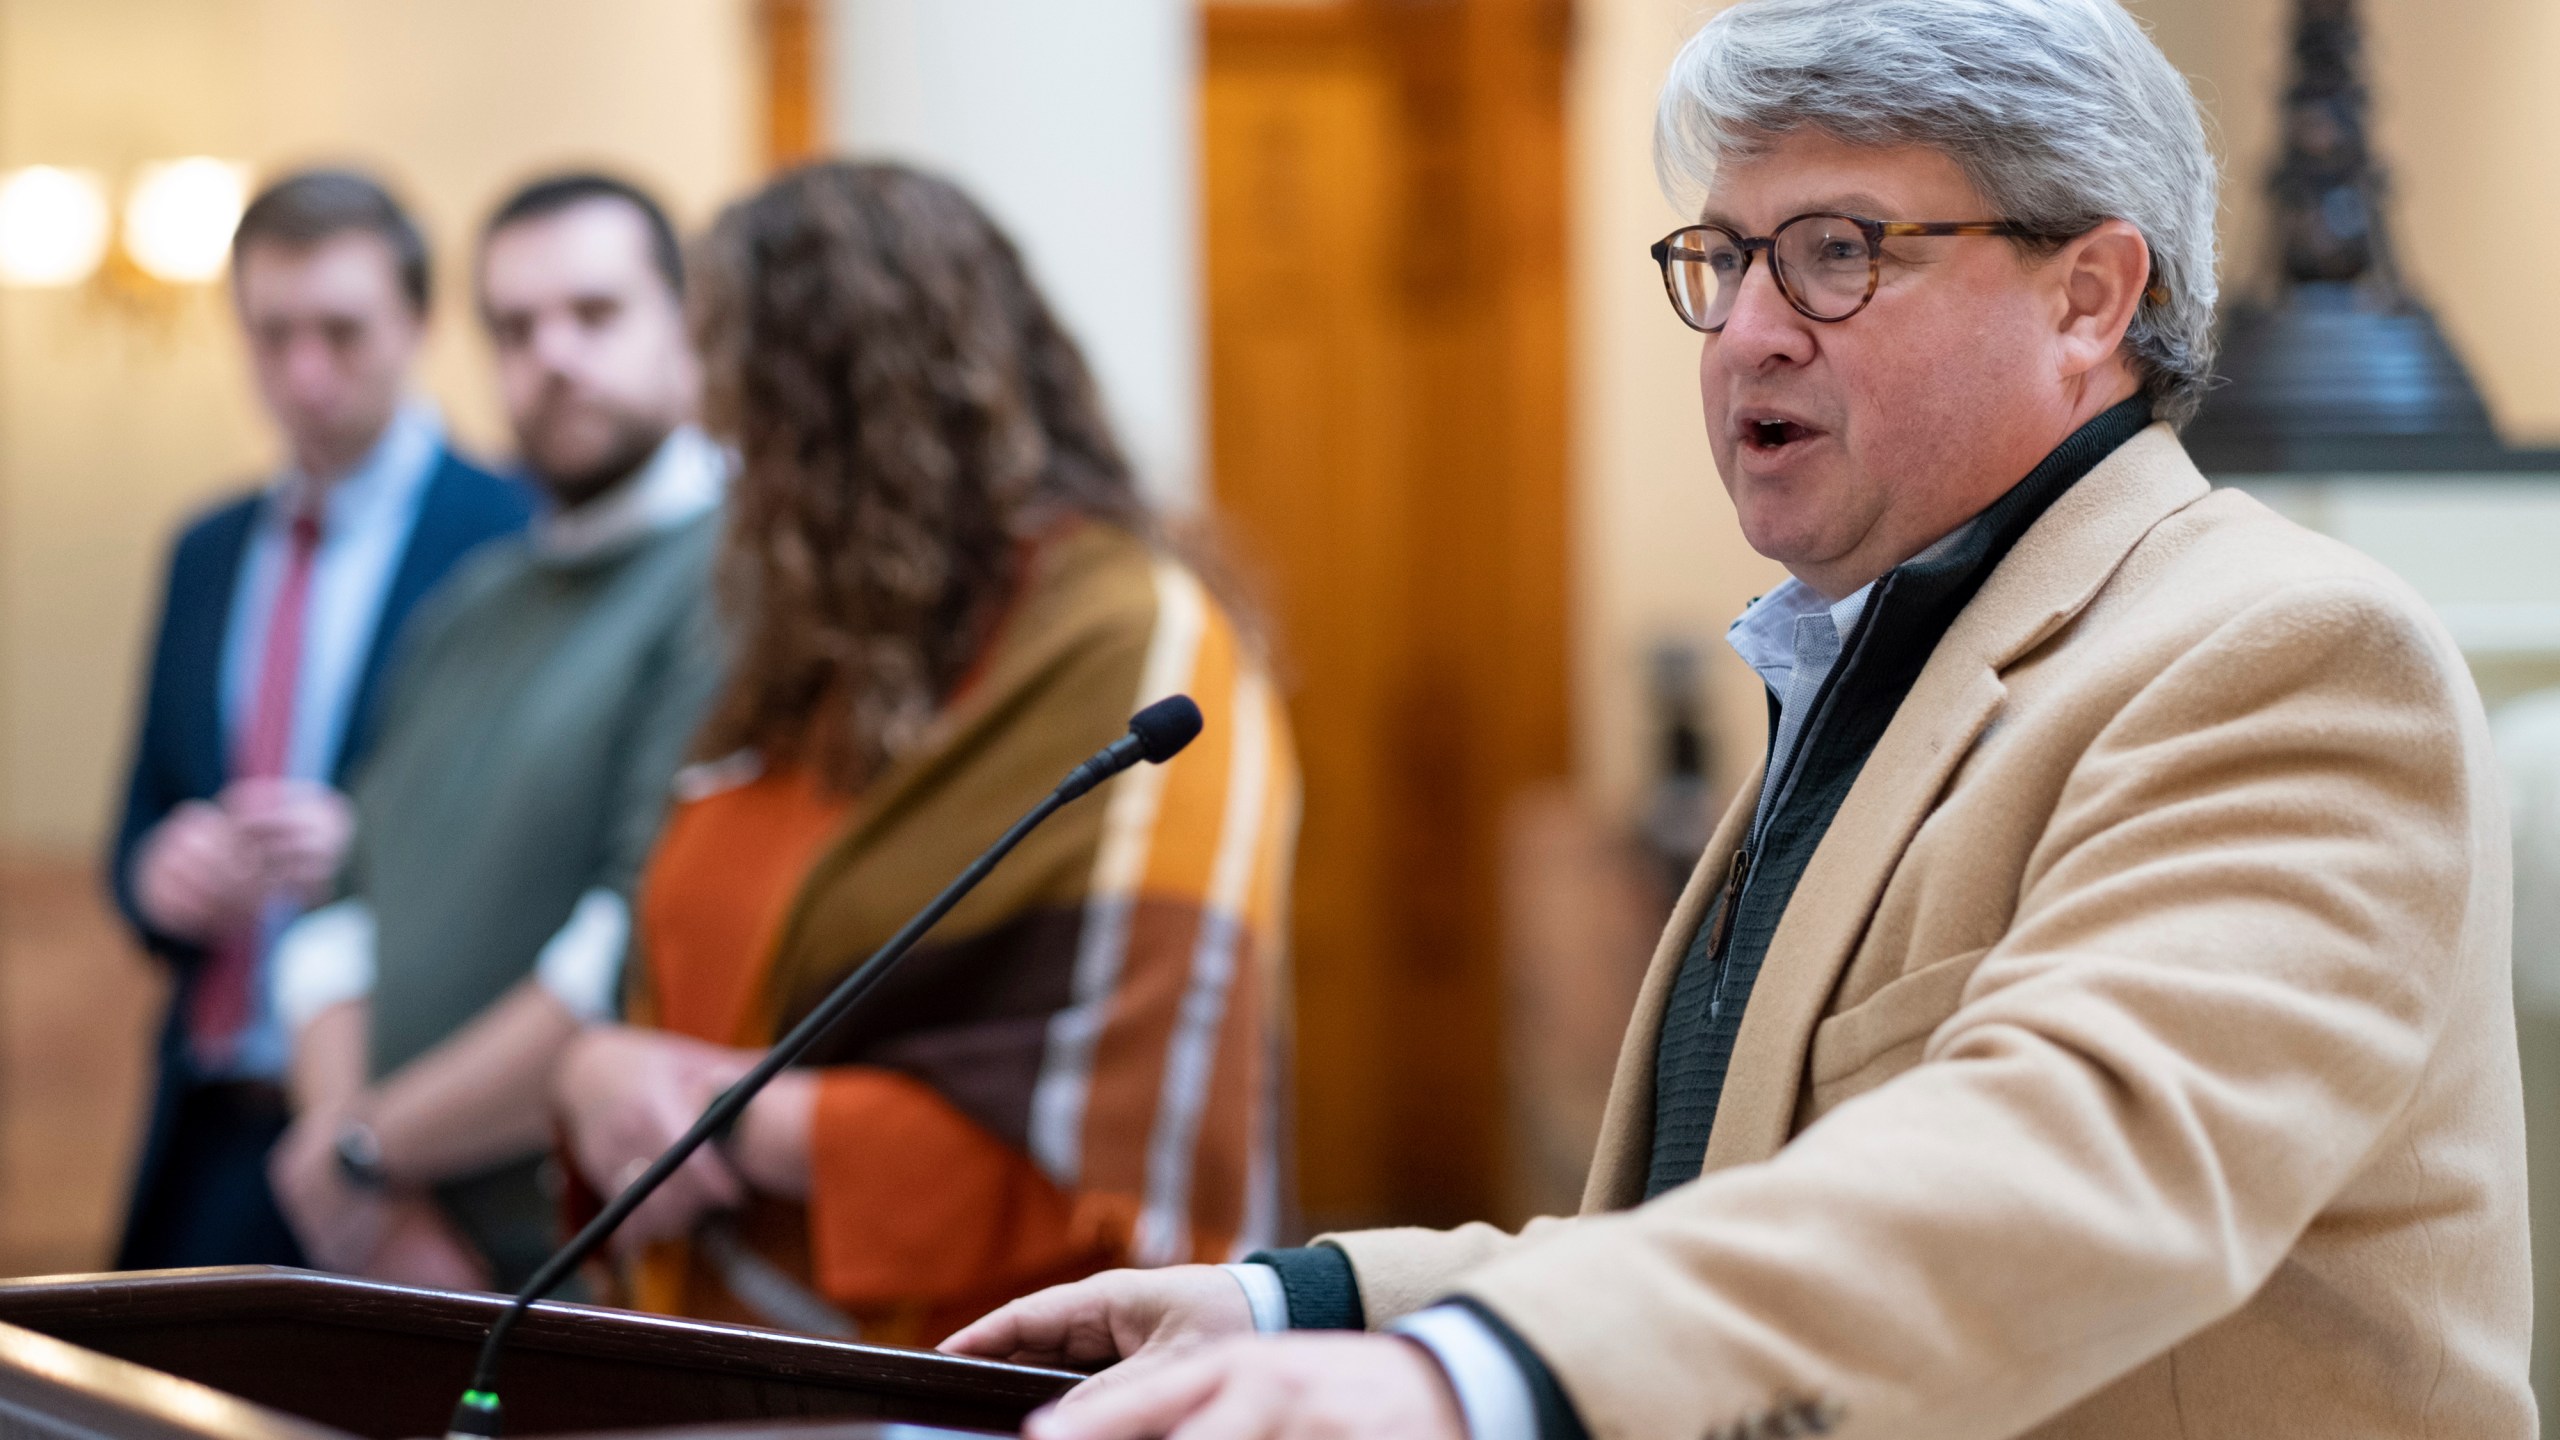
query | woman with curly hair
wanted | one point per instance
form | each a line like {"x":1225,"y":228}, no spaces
{"x":945,"y":591}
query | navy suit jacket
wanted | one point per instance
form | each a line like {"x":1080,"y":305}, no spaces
{"x":179,"y":754}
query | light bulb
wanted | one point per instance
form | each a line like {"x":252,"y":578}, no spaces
{"x":180,"y":214}
{"x":53,"y":226}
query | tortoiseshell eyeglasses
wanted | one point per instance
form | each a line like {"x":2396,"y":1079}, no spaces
{"x":1826,"y":265}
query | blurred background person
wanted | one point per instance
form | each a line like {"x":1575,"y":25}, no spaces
{"x":280,"y":610}
{"x":946,"y":591}
{"x":526,"y":749}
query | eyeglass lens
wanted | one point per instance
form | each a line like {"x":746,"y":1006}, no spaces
{"x":1823,"y":266}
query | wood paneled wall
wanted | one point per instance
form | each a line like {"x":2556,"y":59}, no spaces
{"x":1385,"y":228}
{"x":794,"y":118}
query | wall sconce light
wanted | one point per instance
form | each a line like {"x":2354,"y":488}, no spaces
{"x":179,"y":216}
{"x":54,"y":226}
{"x":57,"y":229}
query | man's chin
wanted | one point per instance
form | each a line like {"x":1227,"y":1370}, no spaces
{"x":1788,"y":536}
{"x":576,"y":474}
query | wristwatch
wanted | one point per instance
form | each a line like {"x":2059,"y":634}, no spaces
{"x":359,"y":1153}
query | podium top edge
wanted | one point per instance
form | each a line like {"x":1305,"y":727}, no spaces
{"x":148,"y":1296}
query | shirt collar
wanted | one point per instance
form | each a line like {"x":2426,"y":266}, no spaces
{"x":389,"y":474}
{"x":1766,"y":634}
{"x":682,"y":479}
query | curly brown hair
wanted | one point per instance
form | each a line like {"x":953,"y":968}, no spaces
{"x":908,"y":410}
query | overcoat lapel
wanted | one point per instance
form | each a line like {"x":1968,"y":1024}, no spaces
{"x":1954,"y":698}
{"x":2056,"y":568}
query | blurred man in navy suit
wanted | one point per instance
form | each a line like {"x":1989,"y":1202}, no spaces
{"x":281,"y":608}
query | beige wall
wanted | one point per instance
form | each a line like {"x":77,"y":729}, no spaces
{"x":2468,"y":126}
{"x":2468,"y":121}
{"x":115,"y":423}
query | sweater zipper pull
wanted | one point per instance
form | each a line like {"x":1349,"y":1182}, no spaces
{"x":1726,"y":900}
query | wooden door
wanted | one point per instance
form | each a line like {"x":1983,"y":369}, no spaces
{"x":1384,"y":193}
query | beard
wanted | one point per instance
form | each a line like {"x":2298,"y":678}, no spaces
{"x":579,"y":448}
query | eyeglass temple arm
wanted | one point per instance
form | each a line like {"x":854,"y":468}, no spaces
{"x":2155,"y":291}
{"x":1953,"y":227}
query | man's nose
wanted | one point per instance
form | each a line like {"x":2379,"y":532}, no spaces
{"x":1762,"y":327}
{"x":310,"y":363}
{"x":556,"y":344}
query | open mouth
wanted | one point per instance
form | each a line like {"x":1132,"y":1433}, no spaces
{"x":1771,"y":436}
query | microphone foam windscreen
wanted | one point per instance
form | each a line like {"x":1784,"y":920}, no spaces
{"x":1165,"y":727}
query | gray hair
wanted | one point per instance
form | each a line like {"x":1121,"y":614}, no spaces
{"x":2062,"y":113}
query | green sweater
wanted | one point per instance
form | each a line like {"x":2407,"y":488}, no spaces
{"x":529,"y":738}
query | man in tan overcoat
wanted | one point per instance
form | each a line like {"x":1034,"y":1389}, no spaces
{"x":2095,"y":1020}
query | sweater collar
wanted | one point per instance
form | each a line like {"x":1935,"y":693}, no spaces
{"x":681,"y":480}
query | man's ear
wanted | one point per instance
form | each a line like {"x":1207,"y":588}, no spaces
{"x":2103,"y":275}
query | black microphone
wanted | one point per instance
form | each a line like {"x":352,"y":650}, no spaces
{"x":1156,"y":734}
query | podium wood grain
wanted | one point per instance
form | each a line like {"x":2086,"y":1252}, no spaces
{"x":257,"y":1353}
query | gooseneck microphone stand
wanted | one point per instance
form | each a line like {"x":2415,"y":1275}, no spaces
{"x":1156,"y":734}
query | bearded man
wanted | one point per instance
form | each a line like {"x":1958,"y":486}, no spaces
{"x":2095,"y":1019}
{"x":527,"y":748}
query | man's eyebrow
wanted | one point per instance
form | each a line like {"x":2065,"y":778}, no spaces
{"x":1856,"y":202}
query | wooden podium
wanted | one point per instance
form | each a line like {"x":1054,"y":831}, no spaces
{"x":256,"y":1353}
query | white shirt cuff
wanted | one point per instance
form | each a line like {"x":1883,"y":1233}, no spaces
{"x":1263,"y":1291}
{"x":1492,"y":1393}
{"x":581,"y":965}
{"x":324,"y":958}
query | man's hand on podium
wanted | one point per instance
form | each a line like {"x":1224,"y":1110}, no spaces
{"x":1307,"y":1386}
{"x":1195,"y":1367}
{"x":1116,"y":1315}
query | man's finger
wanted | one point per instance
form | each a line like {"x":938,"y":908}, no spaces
{"x":1063,"y":1322}
{"x":1004,"y":1334}
{"x":1139,"y":1407}
{"x":1247,"y":1407}
{"x":1146,"y":1361}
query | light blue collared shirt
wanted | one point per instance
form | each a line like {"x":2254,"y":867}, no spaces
{"x":1793,"y":639}
{"x":366,"y":520}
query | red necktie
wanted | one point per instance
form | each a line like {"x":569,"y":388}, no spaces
{"x":220,"y":1006}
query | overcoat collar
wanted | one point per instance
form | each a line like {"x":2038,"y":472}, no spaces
{"x":2054,"y":571}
